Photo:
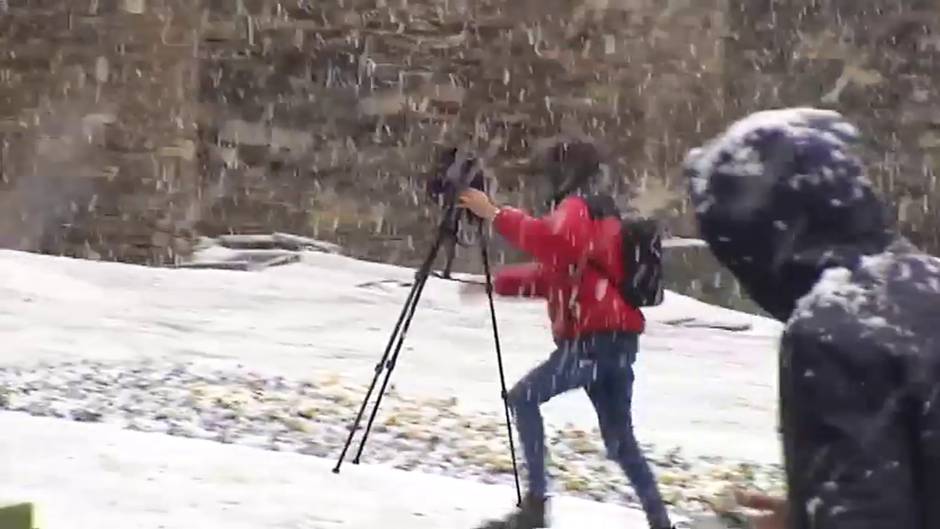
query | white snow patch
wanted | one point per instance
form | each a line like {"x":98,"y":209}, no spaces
{"x":879,"y":264}
{"x":600,"y":289}
{"x":681,"y":242}
{"x":875,"y":322}
{"x":933,"y":284}
{"x":86,"y":476}
{"x":845,"y":128}
{"x":834,"y":287}
{"x":744,"y":162}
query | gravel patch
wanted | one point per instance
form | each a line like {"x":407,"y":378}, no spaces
{"x":313,"y":417}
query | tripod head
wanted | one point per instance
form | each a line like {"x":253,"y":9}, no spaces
{"x":458,"y":170}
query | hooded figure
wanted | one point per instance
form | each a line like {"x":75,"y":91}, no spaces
{"x":785,"y":204}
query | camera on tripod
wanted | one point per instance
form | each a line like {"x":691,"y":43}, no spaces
{"x":457,"y":171}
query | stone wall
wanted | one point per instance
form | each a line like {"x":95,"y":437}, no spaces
{"x":877,"y":62}
{"x":97,"y":135}
{"x":322,"y":118}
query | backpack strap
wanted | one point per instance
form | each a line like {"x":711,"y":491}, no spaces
{"x":601,"y":206}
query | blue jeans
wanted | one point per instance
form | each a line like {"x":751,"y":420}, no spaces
{"x":602,"y":364}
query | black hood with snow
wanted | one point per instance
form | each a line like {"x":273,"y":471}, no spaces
{"x":779,"y":198}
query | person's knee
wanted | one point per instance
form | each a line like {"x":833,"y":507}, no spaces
{"x":613,"y":447}
{"x":520,"y":396}
{"x":621,"y":445}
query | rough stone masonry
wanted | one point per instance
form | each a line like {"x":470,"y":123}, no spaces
{"x":128,"y":127}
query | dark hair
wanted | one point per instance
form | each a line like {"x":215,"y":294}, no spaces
{"x":571,"y":165}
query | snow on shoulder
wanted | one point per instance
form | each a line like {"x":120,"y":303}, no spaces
{"x":886,"y":297}
{"x":835,"y":288}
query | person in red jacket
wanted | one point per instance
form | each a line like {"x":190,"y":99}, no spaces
{"x":596,"y":331}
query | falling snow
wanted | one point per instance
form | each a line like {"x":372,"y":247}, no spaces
{"x":324,"y":119}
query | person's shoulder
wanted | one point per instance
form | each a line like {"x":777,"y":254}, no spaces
{"x":910,"y":290}
{"x":598,"y":206}
{"x":835,"y":327}
{"x":883,"y":307}
{"x":832,"y":310}
{"x":911,"y":279}
{"x":571,"y":208}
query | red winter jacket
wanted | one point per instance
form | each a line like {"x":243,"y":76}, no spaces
{"x":562,"y":243}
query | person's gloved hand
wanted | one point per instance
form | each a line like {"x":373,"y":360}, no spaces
{"x":478,"y":203}
{"x":774,"y":510}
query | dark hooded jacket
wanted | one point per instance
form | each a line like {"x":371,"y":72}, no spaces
{"x":786,"y":206}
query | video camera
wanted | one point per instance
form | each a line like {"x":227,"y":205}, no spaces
{"x":457,"y":170}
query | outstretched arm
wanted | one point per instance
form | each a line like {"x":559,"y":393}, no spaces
{"x":847,"y":435}
{"x":527,"y":280}
{"x":558,"y":239}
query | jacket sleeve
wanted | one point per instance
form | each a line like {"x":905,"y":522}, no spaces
{"x":559,"y":239}
{"x":527,"y":280}
{"x":847,"y":434}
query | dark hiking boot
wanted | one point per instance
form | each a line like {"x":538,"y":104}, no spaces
{"x":530,"y":515}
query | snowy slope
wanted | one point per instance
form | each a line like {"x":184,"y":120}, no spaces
{"x":715,"y":386}
{"x":712,"y":392}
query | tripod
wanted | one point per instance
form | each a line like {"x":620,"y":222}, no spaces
{"x":390,"y":357}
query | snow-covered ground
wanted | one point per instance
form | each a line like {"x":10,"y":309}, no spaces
{"x":711,"y":392}
{"x":100,"y":477}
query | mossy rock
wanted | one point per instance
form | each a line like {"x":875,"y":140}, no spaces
{"x":585,"y":446}
{"x":498,"y":464}
{"x":577,"y":484}
{"x":309,"y":412}
{"x":18,"y":516}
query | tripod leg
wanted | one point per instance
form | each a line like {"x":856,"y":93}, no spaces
{"x":451,"y":240}
{"x":422,"y":278}
{"x":388,"y":373}
{"x":450,"y":251}
{"x":499,"y":361}
{"x":404,"y":320}
{"x":378,"y":372}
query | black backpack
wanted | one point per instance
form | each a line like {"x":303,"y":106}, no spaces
{"x":642,"y":253}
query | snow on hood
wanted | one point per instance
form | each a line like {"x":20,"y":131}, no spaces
{"x":780,"y":197}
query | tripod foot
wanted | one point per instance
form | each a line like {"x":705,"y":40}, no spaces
{"x":336,"y":470}
{"x":355,"y":461}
